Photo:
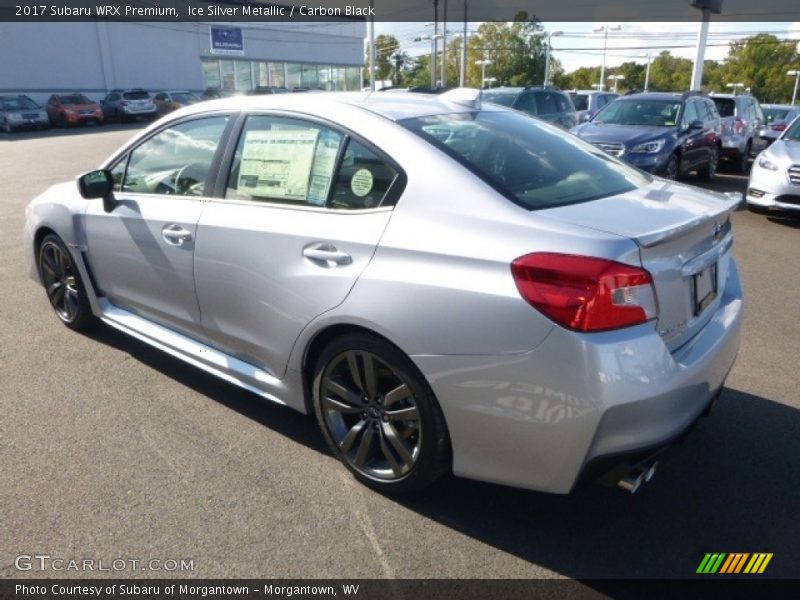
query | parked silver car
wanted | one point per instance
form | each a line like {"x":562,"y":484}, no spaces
{"x":127,"y":105}
{"x":20,"y":112}
{"x":447,"y":286}
{"x":742,"y":120}
{"x":775,"y":176}
{"x":777,"y":117}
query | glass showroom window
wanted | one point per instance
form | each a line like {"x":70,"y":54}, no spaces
{"x":211,"y":74}
{"x":226,"y":73}
{"x":310,"y":78}
{"x":293,"y":72}
{"x":244,"y":76}
{"x":353,"y":78}
{"x":326,"y":82}
{"x":276,"y":74}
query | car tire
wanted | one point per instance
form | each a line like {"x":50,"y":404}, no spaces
{"x":378,"y":414}
{"x":743,"y":162}
{"x":63,"y":284}
{"x":673,"y":168}
{"x":707,"y":173}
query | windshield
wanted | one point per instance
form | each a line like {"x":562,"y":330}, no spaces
{"x":183,"y":97}
{"x":581,"y":101}
{"x":654,"y":113}
{"x":775,"y":114}
{"x":136,"y":95}
{"x":75,"y":99}
{"x":501,"y":98}
{"x":18,"y":104}
{"x":793,"y":133}
{"x":531,"y":163}
{"x":725,"y":106}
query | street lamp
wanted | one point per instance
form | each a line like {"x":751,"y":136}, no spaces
{"x":547,"y":50}
{"x":796,"y":75}
{"x":490,"y":81}
{"x":483,"y":64}
{"x":605,"y":29}
{"x":735,"y":86}
{"x":617,"y":79}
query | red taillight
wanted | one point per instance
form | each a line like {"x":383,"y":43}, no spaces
{"x":739,"y":125}
{"x":585,"y":293}
{"x":778,"y":126}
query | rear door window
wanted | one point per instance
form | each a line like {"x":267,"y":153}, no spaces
{"x":546,"y":103}
{"x":527,"y":103}
{"x":726,"y":107}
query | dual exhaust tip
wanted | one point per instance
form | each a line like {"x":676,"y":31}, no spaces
{"x":640,"y":474}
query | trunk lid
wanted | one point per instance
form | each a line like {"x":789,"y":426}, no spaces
{"x":684,"y":238}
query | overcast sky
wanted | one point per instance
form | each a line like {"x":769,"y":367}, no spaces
{"x":579,"y":46}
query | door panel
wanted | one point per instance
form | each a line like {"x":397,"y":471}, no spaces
{"x":136,"y":267}
{"x":141,"y":253}
{"x":263,"y":274}
{"x":302,"y":221}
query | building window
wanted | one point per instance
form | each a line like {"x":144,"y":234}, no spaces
{"x":211,"y":74}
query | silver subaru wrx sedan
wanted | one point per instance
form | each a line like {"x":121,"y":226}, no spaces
{"x":448,"y":286}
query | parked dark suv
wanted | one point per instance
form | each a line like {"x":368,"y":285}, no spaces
{"x":663,"y":133}
{"x":548,"y":104}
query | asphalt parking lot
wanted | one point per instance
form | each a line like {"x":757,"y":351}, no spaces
{"x":113,"y":450}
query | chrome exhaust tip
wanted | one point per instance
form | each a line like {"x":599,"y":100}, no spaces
{"x":641,"y":474}
{"x":631,"y":483}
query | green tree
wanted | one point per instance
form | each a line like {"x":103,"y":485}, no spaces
{"x":670,"y":73}
{"x":516,"y":55}
{"x":386,"y":46}
{"x":760,"y":62}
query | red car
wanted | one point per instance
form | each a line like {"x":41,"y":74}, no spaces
{"x":70,"y":109}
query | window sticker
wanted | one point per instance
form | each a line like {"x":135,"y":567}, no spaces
{"x":361,"y":183}
{"x":324,"y":163}
{"x":277,"y":163}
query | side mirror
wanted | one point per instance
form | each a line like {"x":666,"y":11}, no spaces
{"x":98,"y":184}
{"x":696,"y":125}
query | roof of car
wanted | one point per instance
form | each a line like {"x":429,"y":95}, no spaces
{"x":392,"y":106}
{"x":654,"y":96}
{"x":781,"y":106}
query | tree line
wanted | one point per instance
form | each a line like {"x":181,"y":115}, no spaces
{"x":517,"y":58}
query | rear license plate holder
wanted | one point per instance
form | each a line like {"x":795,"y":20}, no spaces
{"x":704,"y":288}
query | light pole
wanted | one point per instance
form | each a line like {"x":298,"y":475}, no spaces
{"x":707,"y":7}
{"x":735,"y":86}
{"x":463,"y":77}
{"x":605,"y":29}
{"x":617,"y":79}
{"x":547,"y":49}
{"x":483,"y":64}
{"x":796,"y":75}
{"x":647,"y":74}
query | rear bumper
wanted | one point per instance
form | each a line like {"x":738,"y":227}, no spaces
{"x":536,"y":420}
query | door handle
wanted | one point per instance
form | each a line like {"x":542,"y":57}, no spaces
{"x":175,"y":235}
{"x":326,"y":255}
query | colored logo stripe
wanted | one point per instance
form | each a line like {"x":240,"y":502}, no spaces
{"x":721,"y":562}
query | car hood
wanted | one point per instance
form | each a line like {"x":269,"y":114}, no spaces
{"x":785,"y":152}
{"x":606,"y":133}
{"x":651,"y":214}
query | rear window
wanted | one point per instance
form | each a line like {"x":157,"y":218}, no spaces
{"x":581,"y":101}
{"x":75,"y":99}
{"x":136,"y":95}
{"x":775,"y":114}
{"x":18,"y":104}
{"x":183,"y":97}
{"x":501,"y":98}
{"x":532,"y":164}
{"x":726,"y":107}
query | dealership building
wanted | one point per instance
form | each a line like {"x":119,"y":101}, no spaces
{"x":97,"y":56}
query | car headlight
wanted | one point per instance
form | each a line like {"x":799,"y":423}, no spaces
{"x":14,"y":117}
{"x":649,"y":147}
{"x":767,"y":164}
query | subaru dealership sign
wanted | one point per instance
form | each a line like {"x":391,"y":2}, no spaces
{"x":227,"y":40}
